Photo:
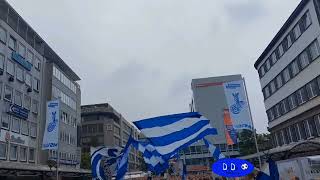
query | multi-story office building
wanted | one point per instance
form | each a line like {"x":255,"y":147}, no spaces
{"x":102,"y":125}
{"x":210,"y":101}
{"x":31,"y":74}
{"x":289,"y":71}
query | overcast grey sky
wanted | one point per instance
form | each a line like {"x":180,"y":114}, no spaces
{"x":140,"y":55}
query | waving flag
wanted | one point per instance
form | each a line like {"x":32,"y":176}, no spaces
{"x":122,"y":165}
{"x":214,"y":151}
{"x":152,"y":158}
{"x":101,"y":160}
{"x":168,"y":134}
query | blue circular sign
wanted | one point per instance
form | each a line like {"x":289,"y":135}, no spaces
{"x":231,"y":167}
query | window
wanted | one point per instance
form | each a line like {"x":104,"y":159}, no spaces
{"x":28,"y":80}
{"x":22,"y":50}
{"x":292,"y":100}
{"x":12,"y":43}
{"x":280,"y":49}
{"x":294,"y":133}
{"x":304,"y":59}
{"x":27,"y":102}
{"x":8,"y":93}
{"x":262,"y":70}
{"x":24,"y":127}
{"x":286,"y":75}
{"x":13,"y":152}
{"x":20,"y":74}
{"x":1,"y":89}
{"x":296,"y":32}
{"x":33,"y":129}
{"x":314,"y":50}
{"x":36,"y":84}
{"x":286,"y":136}
{"x":303,"y":130}
{"x":37,"y":63}
{"x":279,"y":138}
{"x":3,"y":35}
{"x":279,"y":81}
{"x":23,"y":154}
{"x":266,"y":92}
{"x":15,"y":127}
{"x":31,"y":154}
{"x":274,"y":58}
{"x":3,"y":151}
{"x":18,"y":98}
{"x":30,"y":56}
{"x":294,"y":68}
{"x":270,"y":114}
{"x":284,"y":106}
{"x":272,"y":87}
{"x":5,"y":121}
{"x":312,"y":89}
{"x":301,"y":96}
{"x":35,"y":105}
{"x":10,"y":67}
{"x":100,"y":127}
{"x":313,"y":128}
{"x":305,"y":21}
{"x":268,"y":64}
{"x":1,"y":62}
{"x":317,"y":122}
{"x":277,"y":112}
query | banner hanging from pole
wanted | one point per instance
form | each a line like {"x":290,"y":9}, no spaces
{"x":51,"y":133}
{"x":238,"y":105}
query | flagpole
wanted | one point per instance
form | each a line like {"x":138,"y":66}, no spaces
{"x":254,"y":130}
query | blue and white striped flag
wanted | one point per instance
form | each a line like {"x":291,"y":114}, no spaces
{"x":152,"y":158}
{"x":168,"y":134}
{"x":214,"y":151}
{"x":102,"y":158}
{"x":122,"y":164}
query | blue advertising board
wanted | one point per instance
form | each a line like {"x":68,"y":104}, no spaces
{"x":18,"y":111}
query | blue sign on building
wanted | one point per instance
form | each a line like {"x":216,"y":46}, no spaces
{"x":19,"y":59}
{"x":18,"y":111}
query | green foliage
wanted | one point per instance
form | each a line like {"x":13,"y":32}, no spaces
{"x":247,"y":143}
{"x":85,"y":161}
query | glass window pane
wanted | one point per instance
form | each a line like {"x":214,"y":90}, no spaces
{"x":18,"y":98}
{"x":313,"y":127}
{"x":272,"y":87}
{"x":31,"y":154}
{"x":312,"y":89}
{"x":1,"y":84}
{"x":33,"y":130}
{"x":28,"y":79}
{"x":294,"y":68}
{"x":27,"y":102}
{"x":279,"y":81}
{"x":5,"y":121}
{"x":1,"y":62}
{"x":3,"y":35}
{"x":23,"y":153}
{"x":30,"y":56}
{"x":10,"y":67}
{"x":24,"y":127}
{"x":302,"y":129}
{"x":286,"y":75}
{"x":15,"y":126}
{"x":8,"y":93}
{"x":292,"y":100}
{"x":296,"y":32}
{"x":13,"y":152}
{"x":304,"y":59}
{"x":3,"y":151}
{"x":22,"y":50}
{"x":20,"y":74}
{"x":314,"y":50}
{"x":12,"y":43}
{"x":294,"y":133}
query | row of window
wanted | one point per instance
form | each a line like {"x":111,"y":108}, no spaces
{"x":16,"y":152}
{"x":62,"y":155}
{"x":20,"y":48}
{"x":67,"y":138}
{"x":68,"y":119}
{"x":293,"y":69}
{"x":301,"y":96}
{"x":64,"y":79}
{"x":92,"y":128}
{"x":15,"y":70}
{"x":19,"y":98}
{"x":197,"y":161}
{"x":17,"y":125}
{"x":57,"y":93}
{"x":286,"y":43}
{"x":303,"y":130}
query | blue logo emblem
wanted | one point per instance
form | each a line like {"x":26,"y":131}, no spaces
{"x":52,"y":125}
{"x":238,"y":104}
{"x":232,"y":167}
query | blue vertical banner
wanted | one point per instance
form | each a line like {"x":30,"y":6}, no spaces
{"x":238,"y":104}
{"x":51,"y":132}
